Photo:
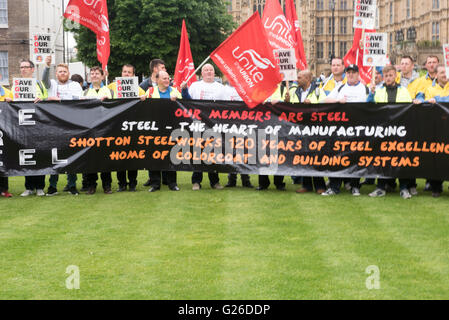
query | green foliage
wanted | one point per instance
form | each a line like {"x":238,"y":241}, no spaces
{"x":142,"y":30}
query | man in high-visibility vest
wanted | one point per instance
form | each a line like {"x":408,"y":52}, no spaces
{"x":97,"y":90}
{"x":336,"y":79}
{"x":128,"y":70}
{"x":33,"y":183}
{"x":390,"y":92}
{"x":163,"y":91}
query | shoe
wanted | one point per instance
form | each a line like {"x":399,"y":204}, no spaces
{"x":302,"y":190}
{"x":427,"y":187}
{"x":196,"y":187}
{"x":6,"y":194}
{"x":107,"y":190}
{"x":174,"y":188}
{"x":320,"y":191}
{"x":91,"y":190}
{"x":436,"y":194}
{"x":230,"y":185}
{"x":147,"y":184}
{"x":66,"y":189}
{"x":153,"y":189}
{"x":329,"y":192}
{"x":121,"y":188}
{"x":280,"y":188}
{"x":260,"y":188}
{"x":348,"y":186}
{"x":413,"y":191}
{"x":73,"y":191}
{"x":355,"y":192}
{"x":51,"y":191}
{"x":405,"y":194}
{"x":378,"y":193}
{"x":217,"y":186}
{"x":27,"y":193}
{"x":132,"y":189}
{"x":247,"y":184}
{"x":40,"y":193}
{"x":84,"y":189}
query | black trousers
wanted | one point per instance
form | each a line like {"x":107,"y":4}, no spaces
{"x":4,"y":184}
{"x":197,"y":177}
{"x":335,"y":183}
{"x":34,"y":182}
{"x":106,"y":179}
{"x":132,"y":178}
{"x":436,"y":185}
{"x":156,"y":178}
{"x":310,"y":182}
{"x":232,"y":178}
{"x":264,"y":181}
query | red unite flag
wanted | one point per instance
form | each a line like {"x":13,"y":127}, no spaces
{"x":247,"y":60}
{"x":351,"y":56}
{"x":292,"y":17}
{"x":184,"y":64}
{"x":93,"y":15}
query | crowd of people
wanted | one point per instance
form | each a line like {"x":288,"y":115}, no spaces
{"x":343,"y":85}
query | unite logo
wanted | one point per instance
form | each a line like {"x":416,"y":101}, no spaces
{"x":251,"y":63}
{"x":281,"y":27}
{"x":189,"y":66}
{"x":97,"y":7}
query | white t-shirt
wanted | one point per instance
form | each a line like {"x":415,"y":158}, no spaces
{"x":71,"y":90}
{"x":201,"y":90}
{"x":355,"y":93}
{"x":232,"y":94}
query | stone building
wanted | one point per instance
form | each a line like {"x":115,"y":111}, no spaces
{"x":416,"y":28}
{"x":19,"y":20}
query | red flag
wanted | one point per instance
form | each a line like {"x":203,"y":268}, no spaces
{"x":292,"y":18}
{"x":351,"y":56}
{"x":93,"y":15}
{"x":247,"y":60}
{"x":184,"y":64}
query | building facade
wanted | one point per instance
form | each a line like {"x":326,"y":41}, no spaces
{"x":415,"y":28}
{"x":19,"y":20}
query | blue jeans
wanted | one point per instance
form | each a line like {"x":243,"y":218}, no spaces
{"x":71,"y":180}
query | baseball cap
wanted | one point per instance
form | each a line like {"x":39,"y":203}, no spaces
{"x":352,"y":67}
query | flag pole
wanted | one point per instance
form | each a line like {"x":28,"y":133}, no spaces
{"x":201,"y":65}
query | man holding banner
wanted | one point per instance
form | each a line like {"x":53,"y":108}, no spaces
{"x":33,"y":183}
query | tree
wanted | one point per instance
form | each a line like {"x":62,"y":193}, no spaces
{"x":142,"y":30}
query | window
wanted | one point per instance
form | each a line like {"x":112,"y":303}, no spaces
{"x":343,"y":5}
{"x":391,"y":42}
{"x":331,"y":49}
{"x":3,"y":13}
{"x":343,"y":23}
{"x":258,"y":6}
{"x":435,"y":4}
{"x":343,"y":49}
{"x":4,"y":67}
{"x":320,"y":50}
{"x":408,"y":9}
{"x":319,"y":25}
{"x":435,"y":31}
{"x":331,"y":25}
{"x":320,"y":4}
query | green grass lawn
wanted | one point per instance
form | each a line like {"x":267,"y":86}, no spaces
{"x":223,"y":244}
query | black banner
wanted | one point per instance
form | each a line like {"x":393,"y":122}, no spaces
{"x":337,"y":140}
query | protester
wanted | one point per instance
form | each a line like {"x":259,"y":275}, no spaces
{"x":390,"y":92}
{"x":128,"y":71}
{"x":232,"y":95}
{"x":156,"y":65}
{"x":33,"y":184}
{"x":4,"y":187}
{"x":335,"y":80}
{"x":407,"y":74}
{"x":418,"y":87}
{"x":97,"y":90}
{"x":206,"y":89}
{"x":306,"y":92}
{"x":61,"y":89}
{"x":352,"y":91}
